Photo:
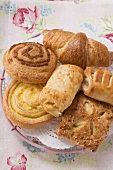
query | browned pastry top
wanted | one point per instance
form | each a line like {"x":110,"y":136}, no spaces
{"x":98,"y":84}
{"x":29,"y":62}
{"x":68,"y":46}
{"x":77,"y":48}
{"x":30,"y":54}
{"x":86,"y":122}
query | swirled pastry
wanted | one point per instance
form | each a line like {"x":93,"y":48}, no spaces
{"x":61,"y":89}
{"x":21,"y":105}
{"x":29,"y":62}
{"x":98,"y":84}
{"x":86,"y":122}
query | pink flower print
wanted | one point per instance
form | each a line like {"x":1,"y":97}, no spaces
{"x":17,"y":162}
{"x":109,"y":37}
{"x":25,"y":18}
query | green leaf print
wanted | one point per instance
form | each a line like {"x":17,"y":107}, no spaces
{"x":108,"y":24}
{"x":40,"y":24}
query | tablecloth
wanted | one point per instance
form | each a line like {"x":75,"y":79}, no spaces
{"x":90,"y":16}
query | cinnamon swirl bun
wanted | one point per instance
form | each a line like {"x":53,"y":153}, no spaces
{"x":21,"y":105}
{"x":29,"y":62}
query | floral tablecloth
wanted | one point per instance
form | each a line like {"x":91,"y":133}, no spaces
{"x":21,"y":20}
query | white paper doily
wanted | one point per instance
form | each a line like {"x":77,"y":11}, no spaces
{"x":47,"y":133}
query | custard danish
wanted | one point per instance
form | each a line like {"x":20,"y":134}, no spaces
{"x":21,"y":105}
{"x":29,"y":62}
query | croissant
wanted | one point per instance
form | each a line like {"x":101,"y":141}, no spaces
{"x":76,"y":49}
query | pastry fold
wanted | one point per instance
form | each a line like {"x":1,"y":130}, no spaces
{"x":61,"y":89}
{"x":98,"y":84}
{"x":21,"y":105}
{"x":29,"y":62}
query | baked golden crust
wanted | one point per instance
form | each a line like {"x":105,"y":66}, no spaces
{"x":61,"y":89}
{"x":76,"y":49}
{"x":21,"y":105}
{"x":29,"y":62}
{"x":86,"y":122}
{"x":98,"y":84}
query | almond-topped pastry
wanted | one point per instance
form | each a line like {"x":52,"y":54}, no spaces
{"x":61,"y":89}
{"x":98,"y":84}
{"x":86,"y":122}
{"x":29,"y":62}
{"x":21,"y":105}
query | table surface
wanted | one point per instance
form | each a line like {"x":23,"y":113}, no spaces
{"x":90,"y":16}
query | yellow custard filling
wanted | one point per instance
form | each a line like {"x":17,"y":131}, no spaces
{"x":24,"y":100}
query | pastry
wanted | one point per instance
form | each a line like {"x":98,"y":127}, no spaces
{"x":98,"y":84}
{"x":21,"y":105}
{"x":76,"y":49}
{"x":29,"y":62}
{"x":61,"y":89}
{"x":86,"y":122}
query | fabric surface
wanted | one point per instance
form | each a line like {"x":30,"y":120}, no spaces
{"x":21,"y":20}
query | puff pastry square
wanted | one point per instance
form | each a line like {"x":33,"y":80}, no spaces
{"x":86,"y":122}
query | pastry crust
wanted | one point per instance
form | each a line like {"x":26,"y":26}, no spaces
{"x":29,"y":62}
{"x":21,"y":105}
{"x":76,"y":49}
{"x":86,"y":122}
{"x":98,"y":84}
{"x":61,"y":89}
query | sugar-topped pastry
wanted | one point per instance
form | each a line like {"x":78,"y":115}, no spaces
{"x":86,"y":122}
{"x":61,"y":89}
{"x":29,"y":62}
{"x":21,"y":105}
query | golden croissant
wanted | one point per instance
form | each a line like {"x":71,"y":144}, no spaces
{"x":77,"y":49}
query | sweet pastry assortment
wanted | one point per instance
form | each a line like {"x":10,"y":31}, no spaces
{"x":77,"y":90}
